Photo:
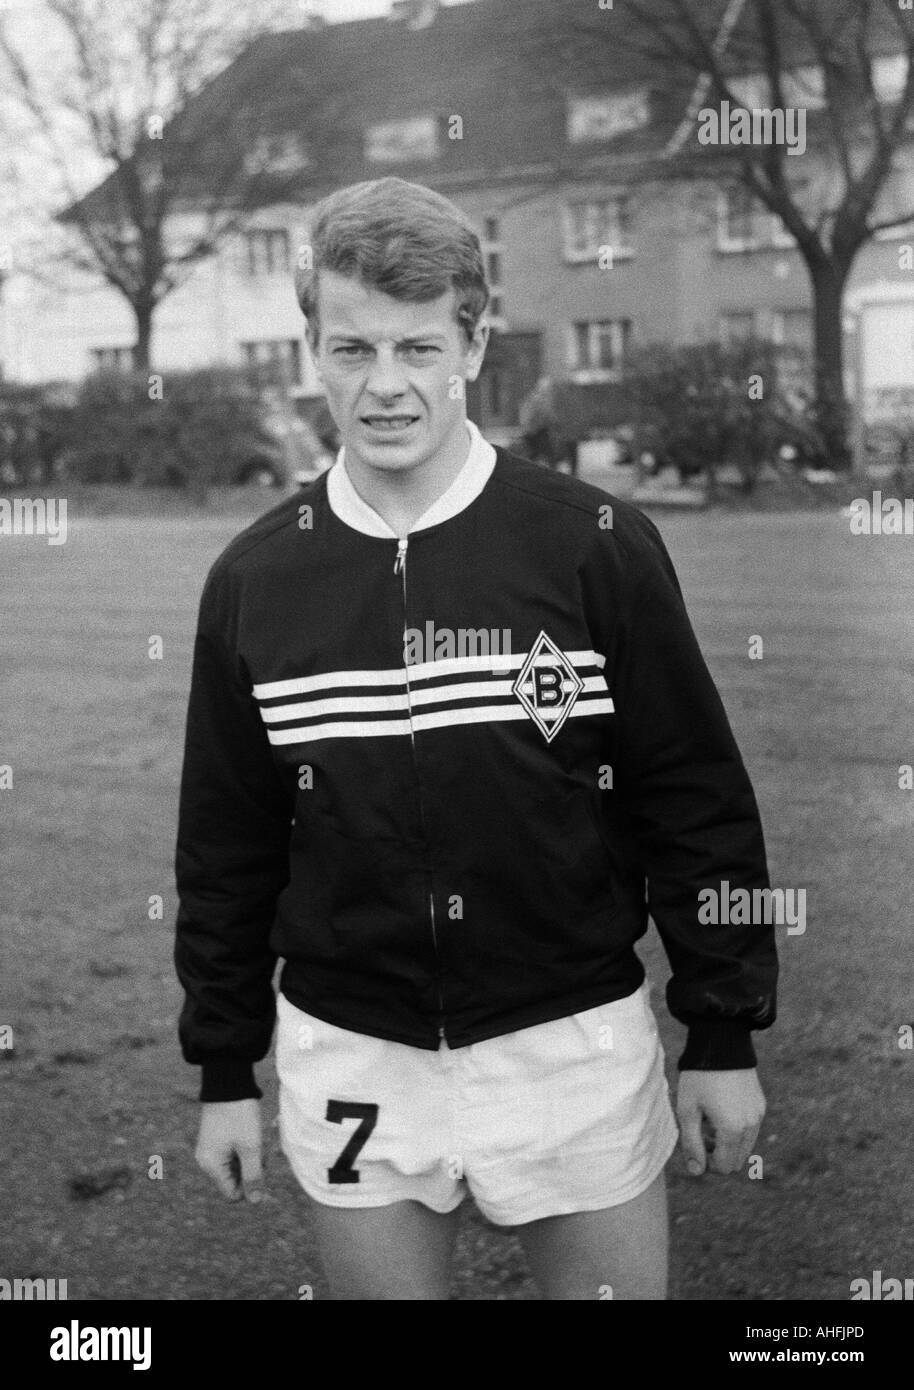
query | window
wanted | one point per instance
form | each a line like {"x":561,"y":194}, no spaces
{"x":492,"y":254}
{"x":896,"y":201}
{"x":791,"y":331}
{"x":802,"y":87}
{"x":266,"y":251}
{"x":792,"y":328}
{"x":744,"y":224}
{"x":742,"y":219}
{"x":276,"y":154}
{"x":281,"y":353}
{"x":736,"y":326}
{"x":111,"y":359}
{"x":805,"y":87}
{"x":591,"y":224}
{"x":605,"y":117}
{"x":393,"y":141}
{"x":889,"y":73}
{"x":599,"y":347}
{"x":750,"y":90}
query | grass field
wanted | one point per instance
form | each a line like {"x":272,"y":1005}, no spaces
{"x":93,"y":730}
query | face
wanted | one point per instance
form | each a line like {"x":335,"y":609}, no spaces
{"x":394,"y":372}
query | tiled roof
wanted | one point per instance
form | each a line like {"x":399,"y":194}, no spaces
{"x":506,"y":67}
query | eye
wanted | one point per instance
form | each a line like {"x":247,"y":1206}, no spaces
{"x":350,"y":351}
{"x":423,"y":351}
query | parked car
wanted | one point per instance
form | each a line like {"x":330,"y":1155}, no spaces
{"x":295,"y":454}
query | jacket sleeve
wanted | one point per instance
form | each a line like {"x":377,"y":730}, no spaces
{"x":231,"y":864}
{"x":691,"y":807}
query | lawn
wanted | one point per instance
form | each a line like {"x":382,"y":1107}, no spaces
{"x":96,"y":1086}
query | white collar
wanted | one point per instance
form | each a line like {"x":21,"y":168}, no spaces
{"x":351,"y":508}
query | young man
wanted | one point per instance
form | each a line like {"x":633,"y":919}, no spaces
{"x":450,"y":738}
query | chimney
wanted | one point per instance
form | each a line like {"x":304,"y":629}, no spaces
{"x":416,"y":14}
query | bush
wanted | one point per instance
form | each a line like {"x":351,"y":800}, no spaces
{"x":208,"y":427}
{"x":692,"y":406}
{"x":34,"y":432}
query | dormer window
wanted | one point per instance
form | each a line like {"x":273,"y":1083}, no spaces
{"x":608,"y":116}
{"x":391,"y":142}
{"x":803,"y":88}
{"x":890,"y":73}
{"x":276,"y":154}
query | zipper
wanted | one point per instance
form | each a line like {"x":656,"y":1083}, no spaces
{"x":400,"y":569}
{"x":431,"y":905}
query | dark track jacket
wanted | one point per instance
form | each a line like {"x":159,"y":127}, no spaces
{"x":447,"y":779}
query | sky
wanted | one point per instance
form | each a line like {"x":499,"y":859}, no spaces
{"x":335,"y":11}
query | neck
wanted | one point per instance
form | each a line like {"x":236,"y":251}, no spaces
{"x":401,"y":498}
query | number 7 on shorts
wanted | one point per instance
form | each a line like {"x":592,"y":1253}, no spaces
{"x":344,"y":1169}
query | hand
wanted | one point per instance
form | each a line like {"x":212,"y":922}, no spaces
{"x":229,"y":1148}
{"x":733,"y":1105}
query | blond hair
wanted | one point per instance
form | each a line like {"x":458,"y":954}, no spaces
{"x":401,"y":238}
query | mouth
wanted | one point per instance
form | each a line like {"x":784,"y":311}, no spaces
{"x":389,"y":424}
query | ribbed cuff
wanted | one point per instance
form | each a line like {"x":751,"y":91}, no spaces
{"x":228,"y":1078}
{"x":718,"y":1044}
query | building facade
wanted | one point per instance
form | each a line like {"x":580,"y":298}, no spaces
{"x":590,"y":248}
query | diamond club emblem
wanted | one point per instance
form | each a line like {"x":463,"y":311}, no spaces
{"x":547,"y":686}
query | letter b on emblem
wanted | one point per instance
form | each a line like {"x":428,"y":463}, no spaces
{"x":547,"y":685}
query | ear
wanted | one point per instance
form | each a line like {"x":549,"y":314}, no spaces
{"x":476,"y":350}
{"x":311,"y":340}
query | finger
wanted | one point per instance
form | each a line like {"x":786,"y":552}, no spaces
{"x":223,"y":1173}
{"x":730,"y":1151}
{"x":747,"y":1145}
{"x":693,"y":1147}
{"x":251,"y":1173}
{"x":750,"y":1140}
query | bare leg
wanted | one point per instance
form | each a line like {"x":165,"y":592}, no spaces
{"x":587,"y":1254}
{"x":402,"y":1251}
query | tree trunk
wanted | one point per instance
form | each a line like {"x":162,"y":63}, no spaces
{"x":831,"y":411}
{"x":141,"y":349}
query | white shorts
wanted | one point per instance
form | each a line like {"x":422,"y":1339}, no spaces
{"x":572,"y":1115}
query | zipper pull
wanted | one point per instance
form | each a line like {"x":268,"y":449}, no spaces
{"x":400,"y":562}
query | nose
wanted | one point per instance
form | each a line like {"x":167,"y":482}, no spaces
{"x":386,"y":378}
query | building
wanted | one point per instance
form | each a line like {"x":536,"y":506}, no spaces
{"x":555,"y":148}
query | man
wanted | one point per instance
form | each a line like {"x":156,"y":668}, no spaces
{"x":448,"y":719}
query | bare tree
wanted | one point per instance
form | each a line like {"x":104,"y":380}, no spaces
{"x":175,"y":182}
{"x":815,"y":54}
